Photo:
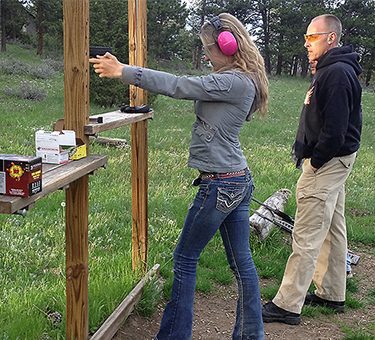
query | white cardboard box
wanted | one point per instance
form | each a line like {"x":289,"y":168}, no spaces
{"x":53,"y":146}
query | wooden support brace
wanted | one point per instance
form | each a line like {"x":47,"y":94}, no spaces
{"x":76,"y":108}
{"x":137,"y":11}
{"x":120,"y":314}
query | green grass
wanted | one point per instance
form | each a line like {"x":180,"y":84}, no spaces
{"x":358,"y":334}
{"x":32,"y":257}
{"x":371,"y":296}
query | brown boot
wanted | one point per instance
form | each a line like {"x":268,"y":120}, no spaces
{"x":314,"y":300}
{"x":273,"y":313}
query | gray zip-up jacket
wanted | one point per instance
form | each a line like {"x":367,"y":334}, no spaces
{"x":222,"y":104}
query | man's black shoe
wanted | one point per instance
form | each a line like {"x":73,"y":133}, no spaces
{"x":272,"y":313}
{"x":314,"y":300}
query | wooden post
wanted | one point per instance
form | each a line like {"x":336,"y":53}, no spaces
{"x":137,"y":13}
{"x":76,"y":90}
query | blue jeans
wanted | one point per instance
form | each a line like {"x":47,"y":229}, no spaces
{"x":219,"y":204}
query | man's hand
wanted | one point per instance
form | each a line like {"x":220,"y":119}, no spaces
{"x":107,"y":66}
{"x":308,"y":163}
{"x":312,"y":167}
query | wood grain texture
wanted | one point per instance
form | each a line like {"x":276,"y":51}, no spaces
{"x":76,"y":109}
{"x":137,"y":12}
{"x":115,"y":119}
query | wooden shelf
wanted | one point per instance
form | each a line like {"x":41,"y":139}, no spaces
{"x":114,"y":119}
{"x":55,"y":177}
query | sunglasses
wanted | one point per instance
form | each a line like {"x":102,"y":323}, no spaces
{"x":314,"y":36}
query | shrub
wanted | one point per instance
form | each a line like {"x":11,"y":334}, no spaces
{"x":43,"y":71}
{"x":27,"y":90}
{"x":56,"y":64}
{"x":13,"y":67}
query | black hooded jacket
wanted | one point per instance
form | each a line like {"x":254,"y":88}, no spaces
{"x":331,"y":119}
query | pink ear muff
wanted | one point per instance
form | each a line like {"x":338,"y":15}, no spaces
{"x":227,"y":43}
{"x":226,"y":40}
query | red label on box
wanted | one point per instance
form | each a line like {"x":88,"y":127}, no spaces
{"x":20,"y":175}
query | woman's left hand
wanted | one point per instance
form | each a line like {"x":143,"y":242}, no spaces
{"x":107,"y":66}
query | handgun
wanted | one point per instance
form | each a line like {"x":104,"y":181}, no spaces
{"x":99,"y":50}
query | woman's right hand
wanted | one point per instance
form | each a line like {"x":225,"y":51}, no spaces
{"x":107,"y":66}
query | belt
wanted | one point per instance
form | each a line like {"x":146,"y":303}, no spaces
{"x":213,"y":175}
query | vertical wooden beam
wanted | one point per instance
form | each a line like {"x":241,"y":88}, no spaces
{"x":137,"y":13}
{"x":76,"y":109}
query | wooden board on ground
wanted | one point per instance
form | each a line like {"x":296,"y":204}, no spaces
{"x":120,"y":314}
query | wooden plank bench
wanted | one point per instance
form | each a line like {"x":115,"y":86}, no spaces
{"x":54,"y":177}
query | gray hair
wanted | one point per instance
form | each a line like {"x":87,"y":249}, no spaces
{"x":333,"y":24}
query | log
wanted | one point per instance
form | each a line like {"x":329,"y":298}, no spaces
{"x":263,"y":226}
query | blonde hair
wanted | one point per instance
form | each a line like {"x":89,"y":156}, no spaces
{"x":247,"y":58}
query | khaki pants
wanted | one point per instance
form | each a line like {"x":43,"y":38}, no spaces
{"x":319,"y":236}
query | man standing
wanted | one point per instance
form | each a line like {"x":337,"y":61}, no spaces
{"x":328,"y":138}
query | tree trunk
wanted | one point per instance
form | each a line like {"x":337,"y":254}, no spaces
{"x":304,"y":67}
{"x":279,"y":66}
{"x":198,"y":49}
{"x":40,"y":27}
{"x":295,"y":65}
{"x":368,"y":77}
{"x":40,"y":47}
{"x":280,"y":59}
{"x":293,"y":62}
{"x":3,"y":44}
{"x":369,"y":69}
{"x":266,"y":30}
{"x":197,"y":57}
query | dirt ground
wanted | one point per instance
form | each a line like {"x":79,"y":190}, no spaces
{"x":215,"y":314}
